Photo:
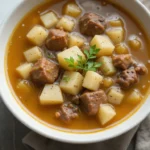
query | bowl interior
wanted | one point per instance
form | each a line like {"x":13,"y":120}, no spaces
{"x":139,"y":12}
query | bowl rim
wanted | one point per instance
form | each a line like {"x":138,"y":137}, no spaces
{"x":48,"y":132}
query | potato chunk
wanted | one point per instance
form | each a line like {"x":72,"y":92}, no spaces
{"x":76,"y":40}
{"x":24,"y":86}
{"x":116,"y":23}
{"x":116,"y":35}
{"x":92,"y":80}
{"x":37,"y":35}
{"x":24,"y":70}
{"x":115,"y":96}
{"x":121,"y":49}
{"x":107,"y":82}
{"x":71,"y":82}
{"x":134,"y":97}
{"x":51,"y":95}
{"x":104,"y":44}
{"x":72,"y":9}
{"x":106,"y":113}
{"x":134,"y":44}
{"x":49,"y":19}
{"x":33,"y":54}
{"x":107,"y":65}
{"x":72,"y":52}
{"x":66,"y":23}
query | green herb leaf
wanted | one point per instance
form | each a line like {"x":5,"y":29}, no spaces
{"x":92,"y":69}
{"x":91,"y":54}
{"x":97,"y":64}
{"x":66,"y":78}
{"x":89,"y":64}
{"x":51,"y":56}
{"x":70,"y":62}
{"x":92,"y":57}
{"x":86,"y":53}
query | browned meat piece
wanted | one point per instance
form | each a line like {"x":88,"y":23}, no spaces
{"x":44,"y":71}
{"x":90,"y":101}
{"x":127,"y":78}
{"x":141,"y":69}
{"x":92,"y":24}
{"x":57,"y":40}
{"x":75,"y":99}
{"x":123,"y":61}
{"x":67,"y":112}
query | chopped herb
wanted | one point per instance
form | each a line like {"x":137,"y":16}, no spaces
{"x":66,"y":78}
{"x":70,"y":61}
{"x":51,"y":56}
{"x":89,"y":64}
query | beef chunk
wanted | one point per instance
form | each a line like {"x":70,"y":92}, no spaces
{"x":57,"y":40}
{"x":44,"y":71}
{"x":92,"y":24}
{"x":141,"y":69}
{"x":67,"y":112}
{"x":123,"y":61}
{"x":75,"y":99}
{"x":127,"y":78}
{"x":90,"y":101}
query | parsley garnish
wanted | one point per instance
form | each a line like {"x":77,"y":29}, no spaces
{"x":66,"y":78}
{"x":89,"y":64}
{"x":51,"y":56}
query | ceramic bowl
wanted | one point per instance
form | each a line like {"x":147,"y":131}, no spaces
{"x":135,"y":8}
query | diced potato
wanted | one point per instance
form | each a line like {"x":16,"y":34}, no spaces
{"x":104,"y":44}
{"x":75,"y":40}
{"x":33,"y":54}
{"x":71,"y":82}
{"x":116,"y":35}
{"x":115,"y":96}
{"x":116,"y":23}
{"x":121,"y":49}
{"x":106,"y":113}
{"x":107,"y":65}
{"x":24,"y":70}
{"x":24,"y":86}
{"x":66,"y":23}
{"x":49,"y":19}
{"x":92,"y":80}
{"x":107,"y":82}
{"x":51,"y":95}
{"x":72,"y":9}
{"x":134,"y":44}
{"x":134,"y":97}
{"x":37,"y":35}
{"x":68,"y":53}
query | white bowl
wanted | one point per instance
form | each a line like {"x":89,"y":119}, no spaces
{"x":132,"y":6}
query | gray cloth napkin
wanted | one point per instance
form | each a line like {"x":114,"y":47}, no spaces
{"x":141,"y":133}
{"x":37,"y":142}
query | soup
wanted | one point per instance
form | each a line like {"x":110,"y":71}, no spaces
{"x":81,"y":65}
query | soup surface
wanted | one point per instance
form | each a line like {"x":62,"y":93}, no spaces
{"x":80,"y":65}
